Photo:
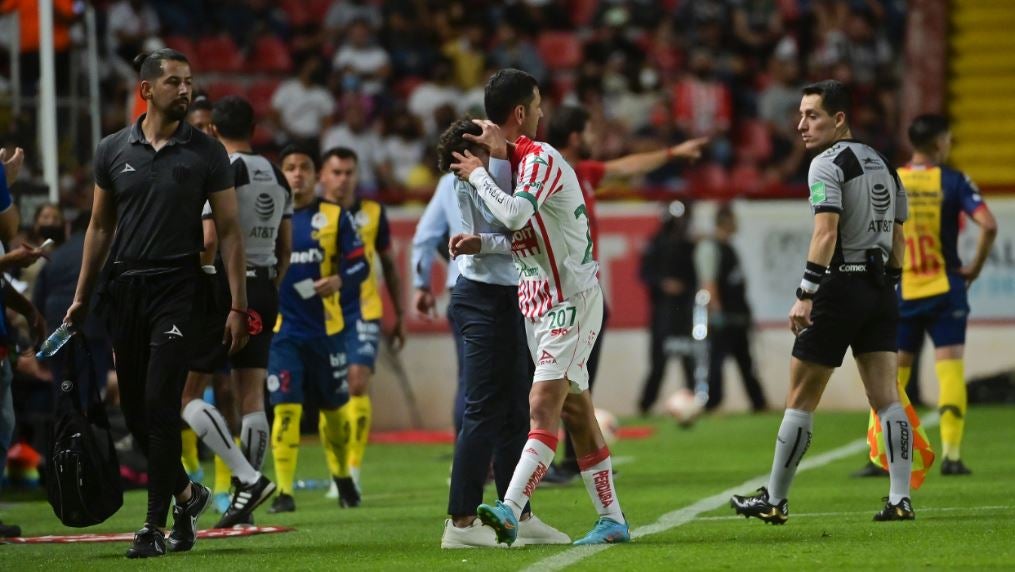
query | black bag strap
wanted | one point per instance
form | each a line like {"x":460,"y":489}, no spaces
{"x":78,"y":357}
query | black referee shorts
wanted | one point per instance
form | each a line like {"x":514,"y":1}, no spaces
{"x":262,"y":297}
{"x":849,"y":310}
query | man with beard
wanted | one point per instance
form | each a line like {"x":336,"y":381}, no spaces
{"x":151,"y":182}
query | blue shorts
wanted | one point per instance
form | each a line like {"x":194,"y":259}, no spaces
{"x":943,"y":317}
{"x":314,"y":369}
{"x":362,"y":338}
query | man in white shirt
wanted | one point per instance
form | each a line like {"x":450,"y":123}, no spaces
{"x":302,"y":106}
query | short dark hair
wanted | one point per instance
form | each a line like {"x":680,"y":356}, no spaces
{"x":233,"y":117}
{"x":505,"y":90}
{"x":299,"y":149}
{"x":565,"y":121}
{"x":453,"y":141}
{"x":341,"y":153}
{"x":834,"y":95}
{"x":724,"y":212}
{"x":200,"y":103}
{"x":149,"y":65}
{"x":925,"y":129}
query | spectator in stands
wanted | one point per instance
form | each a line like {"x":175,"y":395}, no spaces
{"x":47,"y":224}
{"x":467,"y":52}
{"x":301,"y":106}
{"x":343,"y":13}
{"x":868,"y":53}
{"x":702,"y":106}
{"x":128,"y":24}
{"x":364,"y":65}
{"x":409,"y":44}
{"x":757,"y":26}
{"x":356,"y":133}
{"x":513,"y":50}
{"x":403,"y":145}
{"x":438,"y":90}
{"x":778,"y":107}
{"x":64,"y":14}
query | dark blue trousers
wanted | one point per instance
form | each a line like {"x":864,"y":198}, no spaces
{"x":497,"y":373}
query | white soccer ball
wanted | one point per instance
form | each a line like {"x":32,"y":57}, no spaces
{"x":683,"y":407}
{"x":608,"y":424}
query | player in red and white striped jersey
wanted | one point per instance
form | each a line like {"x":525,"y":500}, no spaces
{"x":559,"y":295}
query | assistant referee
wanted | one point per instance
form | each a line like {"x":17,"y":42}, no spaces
{"x":846,"y":299}
{"x":151,"y":182}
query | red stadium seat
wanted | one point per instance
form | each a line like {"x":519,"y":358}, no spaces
{"x":745,"y":178}
{"x":709,"y":180}
{"x":219,"y":53}
{"x":297,"y":11}
{"x":318,"y":9}
{"x":260,"y":95}
{"x":560,"y":50}
{"x":262,"y":137}
{"x":753,"y":140}
{"x":582,"y":11}
{"x":270,"y":55}
{"x":218,"y":90}
{"x":405,"y":86}
{"x":183,"y":45}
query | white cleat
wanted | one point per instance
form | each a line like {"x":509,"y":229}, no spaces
{"x":332,"y":490}
{"x":475,"y":535}
{"x":535,"y":531}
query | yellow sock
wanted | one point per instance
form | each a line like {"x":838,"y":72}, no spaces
{"x":329,"y":454}
{"x":189,"y":457}
{"x":952,"y":405}
{"x":285,"y":444}
{"x":334,"y":432}
{"x":223,"y":476}
{"x":359,"y":415}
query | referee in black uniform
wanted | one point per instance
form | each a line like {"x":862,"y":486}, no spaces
{"x":846,"y":299}
{"x":151,"y":181}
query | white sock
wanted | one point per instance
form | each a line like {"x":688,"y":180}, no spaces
{"x":213,"y":431}
{"x":597,"y":472}
{"x":791,"y":443}
{"x":536,"y":458}
{"x":354,"y":473}
{"x":254,"y":435}
{"x":899,"y":442}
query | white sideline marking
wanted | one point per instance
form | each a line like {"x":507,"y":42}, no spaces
{"x":688,"y":513}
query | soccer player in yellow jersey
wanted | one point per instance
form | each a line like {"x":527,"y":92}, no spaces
{"x":932,"y":298}
{"x":339,"y":182}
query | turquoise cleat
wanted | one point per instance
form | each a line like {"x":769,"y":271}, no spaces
{"x":500,"y":518}
{"x":606,"y":531}
{"x":222,"y":501}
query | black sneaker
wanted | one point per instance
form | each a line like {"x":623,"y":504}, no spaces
{"x":952,"y":468}
{"x":148,"y":542}
{"x":557,"y":475}
{"x":9,"y":530}
{"x":901,"y":511}
{"x":759,"y":507}
{"x":245,"y":500}
{"x":869,"y":470}
{"x":283,"y":503}
{"x":185,"y":516}
{"x":348,"y":494}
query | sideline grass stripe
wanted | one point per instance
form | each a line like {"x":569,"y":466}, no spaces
{"x":686,"y":514}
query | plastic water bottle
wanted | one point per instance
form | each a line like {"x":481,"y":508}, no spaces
{"x":54,"y":342}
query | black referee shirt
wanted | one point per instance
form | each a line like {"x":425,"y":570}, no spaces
{"x":159,"y":194}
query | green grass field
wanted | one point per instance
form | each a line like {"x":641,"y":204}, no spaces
{"x":962,"y":522}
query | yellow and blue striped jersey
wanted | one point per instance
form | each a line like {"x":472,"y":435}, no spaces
{"x":372,"y":225}
{"x":324,"y":243}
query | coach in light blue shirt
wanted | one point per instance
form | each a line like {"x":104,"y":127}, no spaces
{"x":496,"y":369}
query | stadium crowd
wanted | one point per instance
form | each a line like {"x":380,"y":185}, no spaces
{"x":385,"y":78}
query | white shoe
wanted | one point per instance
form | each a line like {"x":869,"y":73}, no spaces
{"x":475,"y":535}
{"x":332,"y":491}
{"x":535,"y":531}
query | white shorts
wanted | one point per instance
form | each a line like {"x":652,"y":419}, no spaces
{"x":562,"y":339}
